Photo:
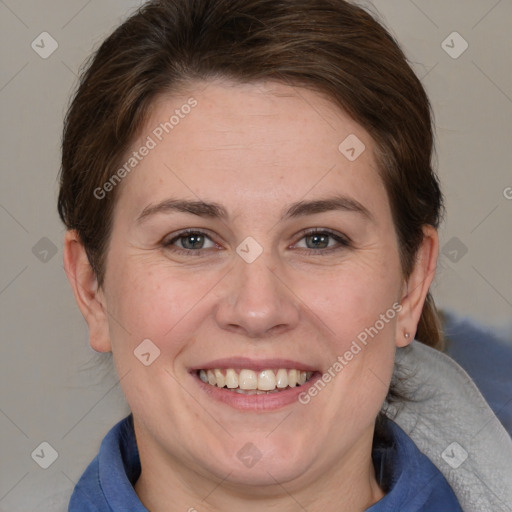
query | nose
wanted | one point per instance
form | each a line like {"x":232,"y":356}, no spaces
{"x":256,"y":302}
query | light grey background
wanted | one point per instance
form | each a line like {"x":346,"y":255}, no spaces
{"x":52,"y":387}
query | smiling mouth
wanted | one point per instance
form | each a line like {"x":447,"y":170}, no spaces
{"x":249,"y":382}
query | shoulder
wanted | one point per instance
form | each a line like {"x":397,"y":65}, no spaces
{"x":408,"y":477}
{"x":107,"y":483}
{"x":450,"y":422}
{"x":87,"y":495}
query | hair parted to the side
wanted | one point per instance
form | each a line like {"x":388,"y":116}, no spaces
{"x":331,"y":46}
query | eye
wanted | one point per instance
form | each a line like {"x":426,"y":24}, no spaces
{"x":317,"y":241}
{"x":190,"y":240}
{"x":313,"y":241}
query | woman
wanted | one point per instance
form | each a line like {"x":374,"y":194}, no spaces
{"x":252,"y":217}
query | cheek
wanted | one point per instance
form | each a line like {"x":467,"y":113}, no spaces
{"x":359,"y":301}
{"x":358,"y":309}
{"x":150,"y":302}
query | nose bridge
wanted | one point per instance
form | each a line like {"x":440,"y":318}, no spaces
{"x":256,"y":301}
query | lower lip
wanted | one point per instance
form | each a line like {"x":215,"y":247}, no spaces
{"x":266,"y":402}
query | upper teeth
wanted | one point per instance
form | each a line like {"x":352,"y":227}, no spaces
{"x":266,"y":380}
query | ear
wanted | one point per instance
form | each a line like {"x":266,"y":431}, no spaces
{"x":417,"y":286}
{"x":89,"y":297}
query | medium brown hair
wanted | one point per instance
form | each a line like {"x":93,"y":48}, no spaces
{"x":330,"y":46}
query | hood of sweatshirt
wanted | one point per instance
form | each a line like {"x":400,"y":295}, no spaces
{"x":450,"y":422}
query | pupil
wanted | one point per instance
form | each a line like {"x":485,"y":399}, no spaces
{"x":317,"y":241}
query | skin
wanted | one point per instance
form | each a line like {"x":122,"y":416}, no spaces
{"x":254,"y":149}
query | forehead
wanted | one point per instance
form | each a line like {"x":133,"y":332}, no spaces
{"x":246,"y":143}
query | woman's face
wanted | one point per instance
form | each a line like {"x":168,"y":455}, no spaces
{"x":253,"y":171}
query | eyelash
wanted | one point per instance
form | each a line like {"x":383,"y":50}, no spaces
{"x":342,"y":240}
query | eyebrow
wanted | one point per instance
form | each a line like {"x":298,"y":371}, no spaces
{"x":335,"y":203}
{"x":199,"y":208}
{"x":215,"y":210}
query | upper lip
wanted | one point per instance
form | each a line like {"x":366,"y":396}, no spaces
{"x":253,"y":364}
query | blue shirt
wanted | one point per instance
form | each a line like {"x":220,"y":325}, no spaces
{"x":466,"y":342}
{"x":411,"y":481}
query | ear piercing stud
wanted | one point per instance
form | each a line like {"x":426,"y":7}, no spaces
{"x":407,"y":335}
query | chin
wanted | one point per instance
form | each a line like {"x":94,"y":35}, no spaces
{"x":262,"y":462}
